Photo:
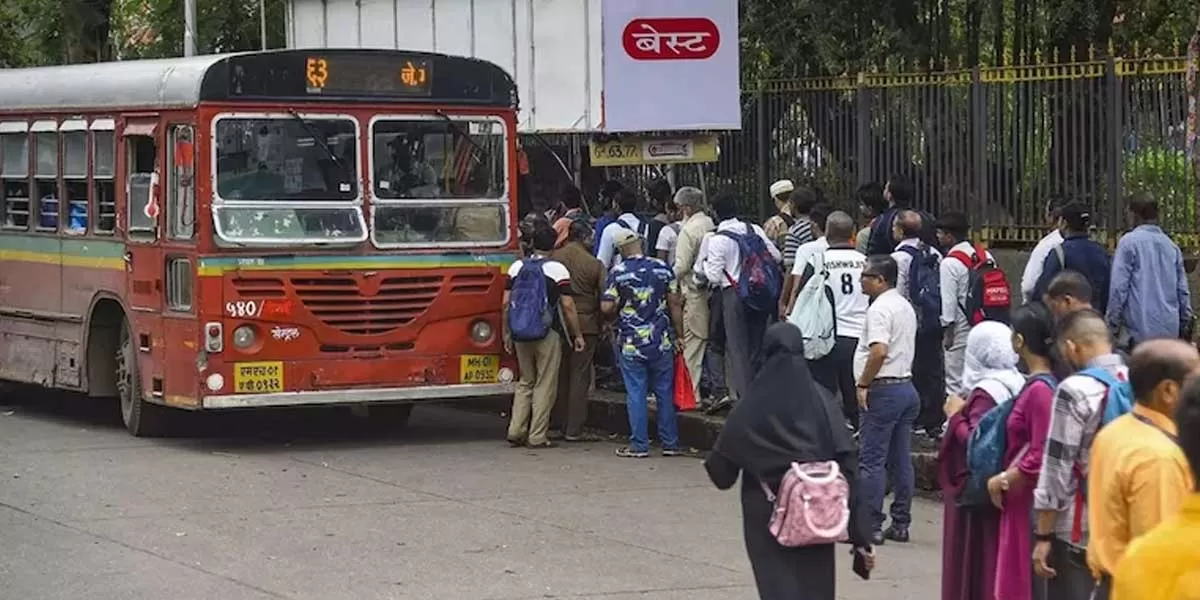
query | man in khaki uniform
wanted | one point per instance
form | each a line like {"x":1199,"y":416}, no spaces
{"x":696,"y":224}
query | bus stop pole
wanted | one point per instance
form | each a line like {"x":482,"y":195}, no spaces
{"x":262,"y":22}
{"x":189,"y":27}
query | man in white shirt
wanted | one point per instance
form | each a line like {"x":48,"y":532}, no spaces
{"x":952,"y":229}
{"x":888,"y":402}
{"x":696,"y":224}
{"x":845,"y":265}
{"x":722,"y":266}
{"x":1033,"y":268}
{"x":626,"y":203}
{"x":930,"y":382}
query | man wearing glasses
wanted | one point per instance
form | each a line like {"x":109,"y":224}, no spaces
{"x":887,"y":401}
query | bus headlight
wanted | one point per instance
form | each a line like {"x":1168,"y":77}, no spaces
{"x":243,"y":337}
{"x":481,"y":332}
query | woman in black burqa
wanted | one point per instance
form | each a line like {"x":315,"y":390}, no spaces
{"x":786,"y":417}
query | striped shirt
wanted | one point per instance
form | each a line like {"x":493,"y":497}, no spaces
{"x":800,"y":233}
{"x":1073,"y":425}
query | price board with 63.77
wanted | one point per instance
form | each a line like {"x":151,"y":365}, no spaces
{"x":628,"y":151}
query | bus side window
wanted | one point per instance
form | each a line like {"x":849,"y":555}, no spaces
{"x":140,"y":155}
{"x":75,"y":186}
{"x":103,"y":187}
{"x":14,"y":175}
{"x":181,"y":191}
{"x":45,"y":177}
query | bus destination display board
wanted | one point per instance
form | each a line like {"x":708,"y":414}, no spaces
{"x":385,"y":76}
{"x":317,"y":74}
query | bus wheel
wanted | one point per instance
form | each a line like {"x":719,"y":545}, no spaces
{"x":141,"y":418}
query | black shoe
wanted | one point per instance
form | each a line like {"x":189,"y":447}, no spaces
{"x":897,"y":534}
{"x":719,"y":405}
{"x":877,"y":538}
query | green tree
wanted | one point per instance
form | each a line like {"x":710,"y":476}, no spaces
{"x":154,"y":28}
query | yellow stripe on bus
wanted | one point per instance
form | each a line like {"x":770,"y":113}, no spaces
{"x":45,"y":258}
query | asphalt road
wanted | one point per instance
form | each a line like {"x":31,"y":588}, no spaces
{"x":313,"y":505}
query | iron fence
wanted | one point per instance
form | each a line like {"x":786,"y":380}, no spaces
{"x":996,"y":143}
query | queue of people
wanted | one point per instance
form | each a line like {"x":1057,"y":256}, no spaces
{"x":1060,"y":422}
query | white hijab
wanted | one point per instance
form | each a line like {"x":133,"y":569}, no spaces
{"x":991,"y":363}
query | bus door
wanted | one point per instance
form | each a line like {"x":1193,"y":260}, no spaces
{"x":180,"y":324}
{"x":140,"y":163}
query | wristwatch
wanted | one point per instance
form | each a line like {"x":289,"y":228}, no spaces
{"x":1044,"y":537}
{"x":862,"y":387}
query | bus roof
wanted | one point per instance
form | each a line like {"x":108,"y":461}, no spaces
{"x":317,"y":74}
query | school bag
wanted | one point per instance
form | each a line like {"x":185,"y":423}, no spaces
{"x":988,"y":294}
{"x":813,"y":312}
{"x":812,"y":507}
{"x":924,"y":288}
{"x":986,"y":447}
{"x":648,"y":229}
{"x":529,"y":311}
{"x":760,"y":282}
{"x":1118,"y":400}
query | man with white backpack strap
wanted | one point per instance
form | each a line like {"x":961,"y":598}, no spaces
{"x":1083,"y":403}
{"x":841,"y":266}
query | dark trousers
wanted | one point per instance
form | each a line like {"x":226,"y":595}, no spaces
{"x":1103,"y":588}
{"x":1073,"y":580}
{"x":930,"y":380}
{"x":885,"y":451}
{"x":574,"y":379}
{"x":744,"y":330}
{"x":835,"y":372}
{"x":712,"y":378}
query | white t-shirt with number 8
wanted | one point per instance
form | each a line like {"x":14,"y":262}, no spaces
{"x":845,"y":267}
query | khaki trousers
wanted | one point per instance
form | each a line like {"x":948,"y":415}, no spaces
{"x":695,"y":334}
{"x":534,"y":399}
{"x":574,"y":381}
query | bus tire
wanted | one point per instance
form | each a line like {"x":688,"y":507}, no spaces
{"x":141,"y":418}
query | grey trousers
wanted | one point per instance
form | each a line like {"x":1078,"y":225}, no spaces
{"x":744,"y":330}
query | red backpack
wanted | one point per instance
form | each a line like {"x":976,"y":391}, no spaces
{"x":989,"y":297}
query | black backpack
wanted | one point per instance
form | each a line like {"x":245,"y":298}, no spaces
{"x":648,"y":229}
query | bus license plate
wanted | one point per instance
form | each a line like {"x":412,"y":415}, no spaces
{"x":258,"y":377}
{"x":479,"y":368}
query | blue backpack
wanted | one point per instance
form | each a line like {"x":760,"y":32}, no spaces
{"x":760,"y":281}
{"x":529,"y":314}
{"x":1120,"y":394}
{"x":987,"y":445}
{"x":924,"y":288}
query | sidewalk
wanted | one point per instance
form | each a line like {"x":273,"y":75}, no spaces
{"x":606,"y":412}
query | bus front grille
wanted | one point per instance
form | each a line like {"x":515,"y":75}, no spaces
{"x":367,"y":307}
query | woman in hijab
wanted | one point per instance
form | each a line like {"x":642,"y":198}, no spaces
{"x":970,"y":535}
{"x":785,"y":417}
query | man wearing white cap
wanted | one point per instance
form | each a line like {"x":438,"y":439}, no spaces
{"x":777,"y":226}
{"x":644,"y":296}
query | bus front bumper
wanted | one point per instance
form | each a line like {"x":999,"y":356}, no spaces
{"x":359,"y":396}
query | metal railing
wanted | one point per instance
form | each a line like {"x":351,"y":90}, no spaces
{"x":994,"y":142}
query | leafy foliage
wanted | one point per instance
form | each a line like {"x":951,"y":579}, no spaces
{"x":47,"y":32}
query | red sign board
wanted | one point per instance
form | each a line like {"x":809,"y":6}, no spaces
{"x":690,"y":38}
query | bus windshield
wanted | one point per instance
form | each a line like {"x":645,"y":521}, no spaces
{"x":286,"y":158}
{"x":436,"y":157}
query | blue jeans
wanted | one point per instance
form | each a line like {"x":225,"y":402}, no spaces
{"x":885,"y":448}
{"x":641,"y":376}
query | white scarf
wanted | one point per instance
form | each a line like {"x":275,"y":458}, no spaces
{"x":990,"y":363}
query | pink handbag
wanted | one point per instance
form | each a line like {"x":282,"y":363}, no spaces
{"x":813,"y":505}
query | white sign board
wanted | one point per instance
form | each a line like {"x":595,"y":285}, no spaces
{"x":671,"y":65}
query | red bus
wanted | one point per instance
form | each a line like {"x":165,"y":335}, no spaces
{"x":288,"y":228}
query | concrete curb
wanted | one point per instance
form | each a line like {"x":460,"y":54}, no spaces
{"x":606,"y":412}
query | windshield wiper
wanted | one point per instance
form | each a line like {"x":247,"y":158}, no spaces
{"x":459,"y":131}
{"x":320,"y":141}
